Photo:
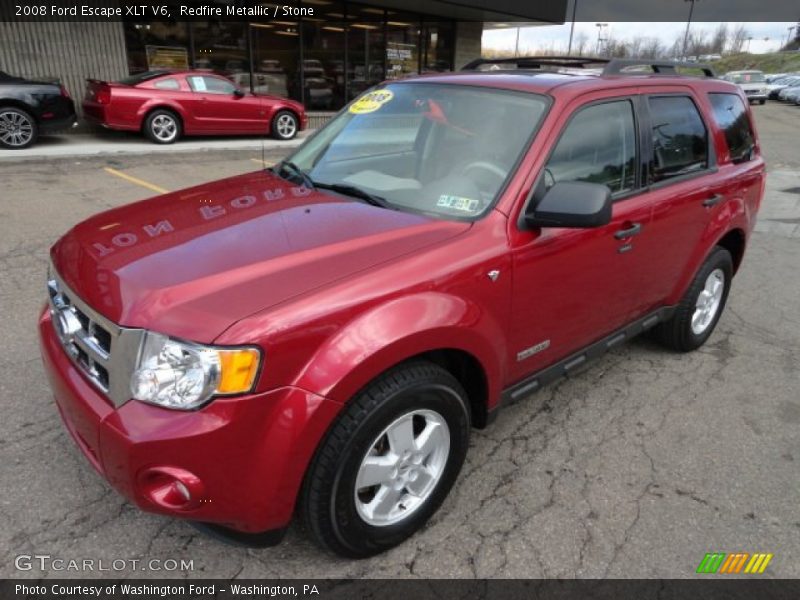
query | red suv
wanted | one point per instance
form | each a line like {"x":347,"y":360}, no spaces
{"x":322,"y":336}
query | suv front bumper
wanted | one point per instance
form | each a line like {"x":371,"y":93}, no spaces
{"x":248,"y":454}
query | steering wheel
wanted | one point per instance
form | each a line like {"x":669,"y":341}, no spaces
{"x":486,"y":167}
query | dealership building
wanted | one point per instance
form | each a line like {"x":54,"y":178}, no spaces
{"x":320,"y":52}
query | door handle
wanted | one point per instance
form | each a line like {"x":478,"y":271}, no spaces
{"x":713,"y":201}
{"x":634,"y":229}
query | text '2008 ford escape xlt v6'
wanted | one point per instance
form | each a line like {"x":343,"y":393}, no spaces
{"x":320,"y":337}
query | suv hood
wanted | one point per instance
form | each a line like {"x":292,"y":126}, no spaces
{"x":191,"y":263}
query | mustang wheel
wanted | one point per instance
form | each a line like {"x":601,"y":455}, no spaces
{"x":17,"y":128}
{"x":284,"y":125}
{"x":388,"y":462}
{"x":701,"y":307}
{"x":162,"y":127}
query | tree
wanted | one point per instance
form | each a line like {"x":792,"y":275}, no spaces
{"x":719,"y":40}
{"x":737,"y":39}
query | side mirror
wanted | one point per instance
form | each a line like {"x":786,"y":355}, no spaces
{"x":572,"y":204}
{"x":238,"y":93}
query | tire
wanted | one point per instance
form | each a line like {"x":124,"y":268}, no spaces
{"x":162,"y":127}
{"x":762,"y":102}
{"x":692,"y":325}
{"x":18,"y":129}
{"x":414,"y":398}
{"x":284,"y":125}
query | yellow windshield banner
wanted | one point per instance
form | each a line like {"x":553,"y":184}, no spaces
{"x":371,"y":102}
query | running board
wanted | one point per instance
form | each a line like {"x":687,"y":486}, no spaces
{"x":564,"y":367}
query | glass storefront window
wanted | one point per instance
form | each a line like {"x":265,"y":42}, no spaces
{"x":323,"y":66}
{"x":438,"y":44}
{"x":323,"y":60}
{"x":402,"y":45}
{"x":156,"y":45}
{"x":366,"y":49}
{"x":276,"y":56}
{"x":221,"y":47}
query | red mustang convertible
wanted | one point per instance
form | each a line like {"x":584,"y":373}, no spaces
{"x":164,"y":105}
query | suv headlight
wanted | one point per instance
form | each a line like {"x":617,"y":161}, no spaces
{"x":185,"y":376}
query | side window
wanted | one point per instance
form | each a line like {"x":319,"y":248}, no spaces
{"x":167,"y":84}
{"x":211,"y":85}
{"x":680,"y":139}
{"x":597,"y":146}
{"x":731,"y":116}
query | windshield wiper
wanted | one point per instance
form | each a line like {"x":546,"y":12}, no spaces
{"x":356,"y":192}
{"x":290,"y":167}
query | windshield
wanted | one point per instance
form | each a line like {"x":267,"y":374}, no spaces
{"x":440,"y":149}
{"x":748,"y":78}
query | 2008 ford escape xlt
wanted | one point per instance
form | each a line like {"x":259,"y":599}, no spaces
{"x":320,"y":337}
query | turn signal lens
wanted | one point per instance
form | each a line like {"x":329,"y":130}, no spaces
{"x":238,"y":370}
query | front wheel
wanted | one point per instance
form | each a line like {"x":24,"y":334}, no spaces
{"x":701,"y":307}
{"x":761,"y":102}
{"x":388,"y":462}
{"x":284,"y":125}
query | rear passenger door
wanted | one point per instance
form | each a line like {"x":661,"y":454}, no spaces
{"x":681,"y":181}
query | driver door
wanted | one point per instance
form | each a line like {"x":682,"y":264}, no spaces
{"x":574,"y":286}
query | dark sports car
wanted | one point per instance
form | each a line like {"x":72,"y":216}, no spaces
{"x":29,"y":108}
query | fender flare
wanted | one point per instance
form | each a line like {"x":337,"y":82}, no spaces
{"x":733,"y":216}
{"x":397,"y":331}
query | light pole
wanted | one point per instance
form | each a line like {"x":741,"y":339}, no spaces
{"x":789,"y":35}
{"x":572,"y":27}
{"x":688,"y":22}
{"x":599,"y":36}
{"x":516,"y":46}
{"x":749,"y":39}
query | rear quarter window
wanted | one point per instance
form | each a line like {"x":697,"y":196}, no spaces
{"x":731,"y":116}
{"x":167,"y":84}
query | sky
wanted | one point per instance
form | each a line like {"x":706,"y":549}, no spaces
{"x":545,"y":36}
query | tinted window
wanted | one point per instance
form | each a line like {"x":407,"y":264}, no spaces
{"x":140,"y":77}
{"x":597,"y":146}
{"x":680,"y":140}
{"x":731,"y":116}
{"x":211,"y":85}
{"x":167,"y":84}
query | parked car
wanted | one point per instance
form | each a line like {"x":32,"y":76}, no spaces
{"x":164,"y":105}
{"x":773,"y":89}
{"x":30,"y":108}
{"x":319,"y":338}
{"x":793,"y":95}
{"x":753,"y":83}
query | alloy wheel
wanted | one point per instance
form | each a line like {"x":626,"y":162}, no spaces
{"x":15,"y":128}
{"x":164,"y":127}
{"x":402,"y":467}
{"x":708,"y":301}
{"x":286,"y":126}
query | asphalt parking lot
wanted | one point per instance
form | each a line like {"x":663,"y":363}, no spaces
{"x":635,"y":467}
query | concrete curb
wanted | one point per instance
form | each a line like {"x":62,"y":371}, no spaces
{"x":88,"y":145}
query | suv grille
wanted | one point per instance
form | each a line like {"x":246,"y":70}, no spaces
{"x":103,"y":351}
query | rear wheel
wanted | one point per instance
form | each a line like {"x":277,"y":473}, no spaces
{"x":162,"y":127}
{"x":388,"y":462}
{"x":284,"y":125}
{"x":761,"y":101}
{"x":18,"y":129}
{"x":702,"y":305}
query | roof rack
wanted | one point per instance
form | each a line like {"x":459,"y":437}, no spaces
{"x":620,"y":66}
{"x":536,"y":62}
{"x":610,"y":66}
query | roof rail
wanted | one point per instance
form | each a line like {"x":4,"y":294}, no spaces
{"x":611,"y":66}
{"x":618,"y":66}
{"x":537,"y":62}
